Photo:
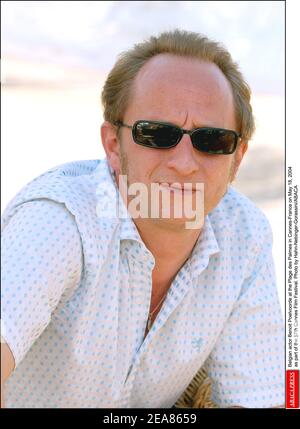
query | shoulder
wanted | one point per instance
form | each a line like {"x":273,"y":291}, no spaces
{"x":70,"y":192}
{"x":72,"y":184}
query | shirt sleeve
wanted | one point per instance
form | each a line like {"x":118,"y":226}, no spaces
{"x":246,"y":365}
{"x":41,"y":257}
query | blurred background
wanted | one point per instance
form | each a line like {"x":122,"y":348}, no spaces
{"x":56,"y":55}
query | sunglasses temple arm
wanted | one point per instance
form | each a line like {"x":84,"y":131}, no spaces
{"x":121,"y":124}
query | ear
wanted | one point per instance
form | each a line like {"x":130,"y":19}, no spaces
{"x":111,"y":145}
{"x":239,"y":155}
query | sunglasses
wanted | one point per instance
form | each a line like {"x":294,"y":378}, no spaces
{"x":163,"y":135}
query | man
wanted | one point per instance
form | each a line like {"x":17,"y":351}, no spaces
{"x":102,"y":310}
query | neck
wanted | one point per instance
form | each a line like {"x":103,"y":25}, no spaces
{"x":170,"y":245}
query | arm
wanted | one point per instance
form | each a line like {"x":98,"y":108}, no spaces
{"x":7,"y":367}
{"x":41,"y":260}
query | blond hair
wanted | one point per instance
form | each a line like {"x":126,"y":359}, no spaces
{"x":117,"y":90}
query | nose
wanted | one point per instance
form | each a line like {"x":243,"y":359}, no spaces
{"x":181,"y":158}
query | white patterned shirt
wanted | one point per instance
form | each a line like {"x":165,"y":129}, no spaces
{"x":76,"y":292}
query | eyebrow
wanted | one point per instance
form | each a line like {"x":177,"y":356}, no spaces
{"x":205,"y":126}
{"x":193,"y":125}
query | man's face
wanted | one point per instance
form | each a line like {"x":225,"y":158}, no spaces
{"x":190,"y":94}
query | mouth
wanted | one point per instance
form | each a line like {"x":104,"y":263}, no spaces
{"x":177,"y":187}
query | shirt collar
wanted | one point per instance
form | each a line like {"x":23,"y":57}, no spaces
{"x":206,"y":246}
{"x":127,"y":227}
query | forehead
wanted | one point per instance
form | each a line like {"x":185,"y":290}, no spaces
{"x":171,"y":85}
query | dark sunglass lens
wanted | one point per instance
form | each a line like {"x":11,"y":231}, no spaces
{"x":215,"y":141}
{"x":155,"y":135}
